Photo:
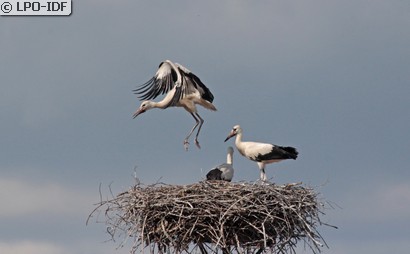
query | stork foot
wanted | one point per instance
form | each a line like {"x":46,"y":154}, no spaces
{"x":197,"y":143}
{"x":186,"y":144}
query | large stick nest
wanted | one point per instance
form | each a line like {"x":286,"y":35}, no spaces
{"x":215,"y":215}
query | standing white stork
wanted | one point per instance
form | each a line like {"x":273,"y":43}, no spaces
{"x":182,"y":88}
{"x":262,"y":153}
{"x":224,"y":171}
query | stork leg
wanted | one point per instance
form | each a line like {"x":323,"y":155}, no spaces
{"x":201,"y":121}
{"x":262,"y":169}
{"x":186,"y":143}
{"x":263,"y":175}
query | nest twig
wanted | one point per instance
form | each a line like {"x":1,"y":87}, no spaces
{"x":213,"y":216}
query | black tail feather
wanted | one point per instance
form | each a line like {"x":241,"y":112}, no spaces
{"x":291,"y":151}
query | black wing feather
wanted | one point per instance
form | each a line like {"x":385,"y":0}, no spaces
{"x":279,"y":153}
{"x":191,"y":82}
{"x":203,"y":90}
{"x":214,"y":174}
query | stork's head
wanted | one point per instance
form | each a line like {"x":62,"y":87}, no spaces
{"x":235,"y":130}
{"x":145,"y":105}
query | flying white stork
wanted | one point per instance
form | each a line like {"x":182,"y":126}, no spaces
{"x":182,"y":88}
{"x":262,"y":153}
{"x":224,"y":171}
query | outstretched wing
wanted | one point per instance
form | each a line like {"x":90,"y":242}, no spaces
{"x":164,"y":80}
{"x":191,"y":83}
{"x":173,"y":76}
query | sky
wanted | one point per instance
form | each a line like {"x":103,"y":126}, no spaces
{"x":330,"y":78}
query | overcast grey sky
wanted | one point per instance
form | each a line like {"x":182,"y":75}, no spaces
{"x":330,"y":78}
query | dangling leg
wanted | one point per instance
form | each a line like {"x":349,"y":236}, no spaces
{"x":186,"y":143}
{"x":201,"y":121}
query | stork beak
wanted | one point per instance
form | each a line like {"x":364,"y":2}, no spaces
{"x":139,"y":111}
{"x":231,"y":134}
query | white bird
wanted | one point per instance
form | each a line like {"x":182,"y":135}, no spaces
{"x":262,"y":153}
{"x":182,"y":88}
{"x":224,"y":171}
